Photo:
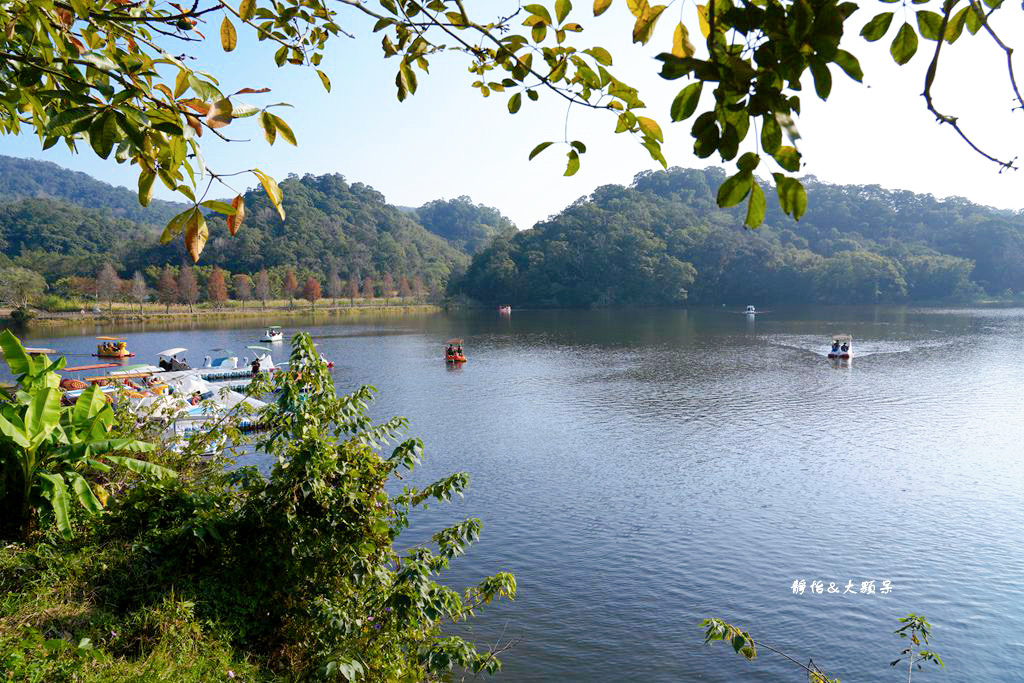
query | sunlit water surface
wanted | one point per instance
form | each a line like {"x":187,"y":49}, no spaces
{"x":639,"y":471}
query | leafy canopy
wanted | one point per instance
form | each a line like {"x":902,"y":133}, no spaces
{"x":112,"y":74}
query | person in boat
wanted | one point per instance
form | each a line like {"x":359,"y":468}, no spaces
{"x":255,"y":366}
{"x":458,"y":350}
{"x":845,"y":347}
{"x":196,"y":398}
{"x":450,"y":351}
{"x":835,"y":347}
{"x":164,"y":364}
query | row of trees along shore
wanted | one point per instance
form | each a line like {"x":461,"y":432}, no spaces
{"x":190,"y":285}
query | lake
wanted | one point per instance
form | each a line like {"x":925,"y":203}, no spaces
{"x":641,"y":470}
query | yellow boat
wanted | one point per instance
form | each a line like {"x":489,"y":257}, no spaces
{"x":113,"y":347}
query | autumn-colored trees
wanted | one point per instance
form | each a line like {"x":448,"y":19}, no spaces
{"x":262,"y":289}
{"x":167,"y":288}
{"x":311,"y":292}
{"x":291,"y":285}
{"x":217,"y":287}
{"x":243,"y":287}
{"x":108,"y":285}
{"x":188,"y":287}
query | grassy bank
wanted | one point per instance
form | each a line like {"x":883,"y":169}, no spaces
{"x":272,"y":312}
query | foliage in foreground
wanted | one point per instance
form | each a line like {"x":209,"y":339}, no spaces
{"x":46,"y":449}
{"x":294,"y":575}
{"x":915,"y":628}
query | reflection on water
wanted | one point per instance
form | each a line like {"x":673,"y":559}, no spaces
{"x":639,"y":471}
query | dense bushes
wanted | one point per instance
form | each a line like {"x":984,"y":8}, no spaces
{"x":291,"y":575}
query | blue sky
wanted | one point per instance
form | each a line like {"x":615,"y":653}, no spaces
{"x":448,"y":141}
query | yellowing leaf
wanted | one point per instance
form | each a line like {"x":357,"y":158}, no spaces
{"x":247,"y":9}
{"x":271,"y":188}
{"x":283,"y":129}
{"x":269,"y":129}
{"x":219,"y":114}
{"x":235,"y":222}
{"x":650,"y":127}
{"x":681,"y":45}
{"x":228,"y":36}
{"x":702,"y":15}
{"x":196,"y":234}
{"x":644,"y":26}
{"x":600,"y":6}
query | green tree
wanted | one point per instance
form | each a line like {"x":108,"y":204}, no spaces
{"x":116,"y":76}
{"x":46,"y":449}
{"x":20,"y":287}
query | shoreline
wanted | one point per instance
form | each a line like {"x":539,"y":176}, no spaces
{"x":55,"y":319}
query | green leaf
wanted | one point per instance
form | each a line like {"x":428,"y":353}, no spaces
{"x":228,"y":36}
{"x":822,"y":77}
{"x":84,"y":493}
{"x":515,"y":102}
{"x":103,"y":134}
{"x":748,"y":162}
{"x":600,"y":6}
{"x":929,"y":24}
{"x":539,"y":10}
{"x":792,"y":196}
{"x":955,"y":26}
{"x":539,"y":148}
{"x":247,"y":9}
{"x":18,"y":359}
{"x":54,"y":490}
{"x":146,"y":469}
{"x":686,"y":101}
{"x":975,"y":19}
{"x":788,"y":158}
{"x":562,"y":9}
{"x":574,"y":163}
{"x":88,"y":405}
{"x":272,"y":190}
{"x":849,"y":64}
{"x":877,"y":27}
{"x":756,"y":208}
{"x":219,"y":207}
{"x":146,"y":187}
{"x":601,"y":55}
{"x":904,"y":45}
{"x":175,"y":226}
{"x":734,"y":189}
{"x":324,"y":79}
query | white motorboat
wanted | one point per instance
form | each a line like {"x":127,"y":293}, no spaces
{"x":274,"y":333}
{"x":842,"y":347}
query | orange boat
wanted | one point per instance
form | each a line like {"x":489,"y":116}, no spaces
{"x":113,"y":347}
{"x":453,"y":352}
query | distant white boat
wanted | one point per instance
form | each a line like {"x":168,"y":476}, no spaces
{"x":842,"y":347}
{"x":274,"y":333}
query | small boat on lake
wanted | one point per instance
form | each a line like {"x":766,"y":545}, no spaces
{"x":274,"y":333}
{"x":505,"y":310}
{"x":112,"y":347}
{"x":453,"y":352}
{"x":842,"y":347}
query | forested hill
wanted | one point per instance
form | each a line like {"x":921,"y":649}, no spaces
{"x":31,"y":179}
{"x":330,"y":224}
{"x":662,"y":241}
{"x":466,"y":225}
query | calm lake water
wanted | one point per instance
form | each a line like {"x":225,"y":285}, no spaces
{"x":639,"y":471}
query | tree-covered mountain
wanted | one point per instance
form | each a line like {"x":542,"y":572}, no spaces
{"x":31,"y":179}
{"x":466,"y":225}
{"x":645,"y":244}
{"x":330,"y":224}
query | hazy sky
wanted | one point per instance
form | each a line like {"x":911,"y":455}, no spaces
{"x":448,"y":141}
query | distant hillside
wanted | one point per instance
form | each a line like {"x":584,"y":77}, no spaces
{"x":330,"y":224}
{"x":466,"y":225}
{"x":31,"y":179}
{"x":663,"y":240}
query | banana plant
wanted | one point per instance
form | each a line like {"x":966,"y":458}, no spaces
{"x":46,"y":450}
